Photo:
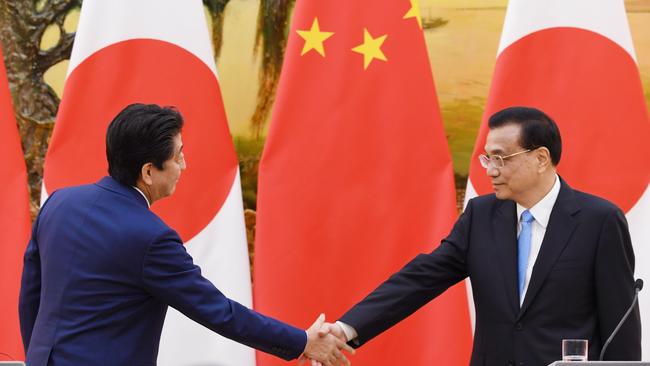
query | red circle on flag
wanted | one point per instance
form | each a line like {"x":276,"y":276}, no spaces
{"x":591,"y":87}
{"x":146,"y":71}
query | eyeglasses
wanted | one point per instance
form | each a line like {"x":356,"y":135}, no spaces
{"x":497,"y":161}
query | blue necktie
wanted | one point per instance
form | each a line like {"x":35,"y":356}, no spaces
{"x":523,"y":246}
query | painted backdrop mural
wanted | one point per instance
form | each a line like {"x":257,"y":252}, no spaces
{"x":249,"y":37}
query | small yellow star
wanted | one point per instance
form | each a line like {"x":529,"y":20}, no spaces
{"x":314,"y":38}
{"x":414,"y":12}
{"x":370,"y":48}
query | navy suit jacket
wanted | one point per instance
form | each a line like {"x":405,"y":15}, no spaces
{"x":581,"y":285}
{"x":99,"y":273}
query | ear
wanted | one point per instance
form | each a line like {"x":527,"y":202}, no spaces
{"x":145,"y":173}
{"x":543,"y":159}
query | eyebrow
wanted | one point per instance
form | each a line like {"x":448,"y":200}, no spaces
{"x":496,"y":151}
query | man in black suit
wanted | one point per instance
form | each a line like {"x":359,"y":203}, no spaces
{"x":546,"y":262}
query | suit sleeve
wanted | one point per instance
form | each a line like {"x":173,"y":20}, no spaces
{"x":30,"y":289}
{"x":615,"y":289}
{"x":170,"y":275}
{"x":418,"y":282}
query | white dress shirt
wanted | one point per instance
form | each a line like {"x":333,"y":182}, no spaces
{"x":145,"y":197}
{"x":541,"y":211}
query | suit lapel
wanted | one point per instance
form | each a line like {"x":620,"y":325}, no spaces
{"x":505,"y":239}
{"x":560,"y":227}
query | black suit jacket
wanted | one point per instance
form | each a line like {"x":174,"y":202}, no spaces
{"x":581,"y":285}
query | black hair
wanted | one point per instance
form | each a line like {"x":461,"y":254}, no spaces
{"x":140,"y":134}
{"x":537,"y":129}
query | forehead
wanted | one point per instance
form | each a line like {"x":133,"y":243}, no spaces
{"x":503,"y":139}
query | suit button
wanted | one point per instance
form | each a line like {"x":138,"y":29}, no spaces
{"x":519,"y":326}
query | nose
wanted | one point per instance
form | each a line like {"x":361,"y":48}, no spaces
{"x":183,"y":162}
{"x":492,"y":171}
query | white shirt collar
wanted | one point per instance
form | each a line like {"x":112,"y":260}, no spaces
{"x":145,"y":197}
{"x":542,"y":209}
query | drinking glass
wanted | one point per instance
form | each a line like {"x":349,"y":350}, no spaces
{"x":574,"y":349}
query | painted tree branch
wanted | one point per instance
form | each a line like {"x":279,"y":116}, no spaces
{"x":271,"y":41}
{"x":217,"y":9}
{"x":35,"y":103}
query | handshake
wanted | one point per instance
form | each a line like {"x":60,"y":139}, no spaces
{"x":325,"y":343}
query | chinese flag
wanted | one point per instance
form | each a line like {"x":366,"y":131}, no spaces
{"x":14,"y":224}
{"x":575,"y":61}
{"x":151,"y":51}
{"x":356,"y":178}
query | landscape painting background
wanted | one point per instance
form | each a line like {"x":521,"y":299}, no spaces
{"x":462,"y":38}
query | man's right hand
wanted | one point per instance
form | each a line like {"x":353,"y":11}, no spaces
{"x":335,"y":329}
{"x":325,"y":348}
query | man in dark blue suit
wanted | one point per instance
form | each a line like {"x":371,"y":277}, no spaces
{"x":546,"y":262}
{"x":101,"y":269}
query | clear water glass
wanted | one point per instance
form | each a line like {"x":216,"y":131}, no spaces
{"x":574,"y":350}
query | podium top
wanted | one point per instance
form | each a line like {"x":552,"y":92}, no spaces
{"x":601,"y":363}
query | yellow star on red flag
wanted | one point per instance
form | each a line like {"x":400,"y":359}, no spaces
{"x":414,"y":12}
{"x":371,"y":48}
{"x":314,"y":38}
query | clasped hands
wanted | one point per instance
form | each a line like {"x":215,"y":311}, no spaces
{"x":325,"y":343}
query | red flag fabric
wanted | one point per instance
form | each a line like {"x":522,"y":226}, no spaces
{"x":579,"y":67}
{"x":14,"y":221}
{"x":356,"y":178}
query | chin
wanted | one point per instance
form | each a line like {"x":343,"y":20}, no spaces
{"x":501,"y":195}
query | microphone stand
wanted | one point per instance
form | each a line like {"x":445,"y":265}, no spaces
{"x":638,"y":285}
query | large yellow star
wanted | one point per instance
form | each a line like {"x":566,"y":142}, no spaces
{"x":314,"y":38}
{"x":414,"y":12}
{"x":370,"y":48}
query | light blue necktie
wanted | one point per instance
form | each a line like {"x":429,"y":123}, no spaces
{"x":523,"y":246}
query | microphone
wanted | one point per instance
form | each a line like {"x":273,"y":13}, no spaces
{"x":638,"y":285}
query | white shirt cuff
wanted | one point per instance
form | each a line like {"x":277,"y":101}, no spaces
{"x":350,"y":333}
